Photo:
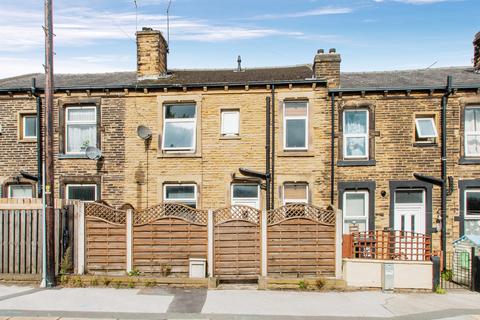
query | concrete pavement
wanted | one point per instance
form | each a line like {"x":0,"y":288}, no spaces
{"x":167,"y":303}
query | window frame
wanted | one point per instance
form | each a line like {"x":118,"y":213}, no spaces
{"x":285,"y":200}
{"x":193,"y":148}
{"x":366,"y":193}
{"x":70,"y":122}
{"x":222,"y":128}
{"x":285,"y":118}
{"x":469,"y":216}
{"x":465,"y":133}
{"x":68,"y":185}
{"x":181,"y":200}
{"x":257,"y":199}
{"x":24,"y":117}
{"x":366,"y":135}
{"x":433,"y":124}
{"x":9,"y":190}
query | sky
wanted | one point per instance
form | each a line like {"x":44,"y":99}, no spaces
{"x":371,"y":35}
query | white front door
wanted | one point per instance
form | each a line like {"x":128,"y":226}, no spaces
{"x":409,"y":210}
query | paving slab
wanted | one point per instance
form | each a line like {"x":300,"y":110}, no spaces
{"x":6,"y":291}
{"x":90,"y":300}
{"x":278,"y":303}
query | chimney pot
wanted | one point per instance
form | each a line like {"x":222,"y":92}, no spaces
{"x":332,"y":50}
{"x":320,"y":51}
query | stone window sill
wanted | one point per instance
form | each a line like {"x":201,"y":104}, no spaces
{"x":63,"y":156}
{"x":295,"y":154}
{"x":27,"y":140}
{"x":178,"y":155}
{"x":230,"y":138}
{"x":425,"y":144}
{"x":356,"y":163}
{"x":466,"y":161}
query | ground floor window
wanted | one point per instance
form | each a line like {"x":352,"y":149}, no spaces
{"x":246,"y":195}
{"x":83,"y":192}
{"x":185,"y":194}
{"x":20,"y":191}
{"x":472,"y":212}
{"x":295,"y":193}
{"x":355,"y":211}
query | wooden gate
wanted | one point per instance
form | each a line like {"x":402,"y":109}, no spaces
{"x":166,"y":236}
{"x":301,"y":241}
{"x":237,"y":243}
{"x":106,"y":243}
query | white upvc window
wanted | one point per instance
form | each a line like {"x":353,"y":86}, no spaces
{"x":29,"y":126}
{"x":80,"y":128}
{"x":295,"y":193}
{"x":20,"y":191}
{"x":295,"y":125}
{"x":179,"y":127}
{"x":185,"y":194}
{"x":355,"y":210}
{"x":246,"y":194}
{"x":426,"y":128}
{"x":355,"y":134}
{"x":230,"y":123}
{"x":82,"y":192}
{"x":472,"y":131}
{"x":472,"y":204}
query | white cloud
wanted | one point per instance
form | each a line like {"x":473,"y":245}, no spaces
{"x":307,"y":13}
{"x":415,"y":1}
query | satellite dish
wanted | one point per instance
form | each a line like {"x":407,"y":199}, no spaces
{"x":93,"y":153}
{"x":144,"y":132}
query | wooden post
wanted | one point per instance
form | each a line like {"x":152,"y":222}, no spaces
{"x":338,"y":243}
{"x":264,"y":239}
{"x":129,"y":229}
{"x":210,"y":256}
{"x":81,"y":238}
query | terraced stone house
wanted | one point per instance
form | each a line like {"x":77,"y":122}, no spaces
{"x":262,"y":137}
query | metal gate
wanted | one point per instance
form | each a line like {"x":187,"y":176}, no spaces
{"x":237,"y":243}
{"x":458,"y":272}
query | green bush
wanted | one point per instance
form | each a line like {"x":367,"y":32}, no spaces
{"x":302,"y":285}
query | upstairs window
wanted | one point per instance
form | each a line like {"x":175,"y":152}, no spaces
{"x":472,"y":132}
{"x":180,"y":127}
{"x":82,"y":192}
{"x":230,"y":123}
{"x":185,"y":194}
{"x":29,"y":127}
{"x":246,"y":195}
{"x":472,"y":203}
{"x":295,"y":193}
{"x":425,"y":129}
{"x":20,"y":191}
{"x":355,"y":135}
{"x":295,"y":124}
{"x":81,"y":129}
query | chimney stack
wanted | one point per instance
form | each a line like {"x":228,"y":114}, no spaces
{"x":327,"y":66}
{"x":152,"y":50}
{"x":476,"y":53}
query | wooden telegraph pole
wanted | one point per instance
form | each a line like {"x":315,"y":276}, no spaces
{"x":49,"y":172}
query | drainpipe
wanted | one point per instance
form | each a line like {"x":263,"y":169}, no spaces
{"x":39,"y":138}
{"x":443,"y":208}
{"x":267,"y":153}
{"x":332,"y":156}
{"x":272,"y":175}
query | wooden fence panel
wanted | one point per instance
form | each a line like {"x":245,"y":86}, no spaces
{"x":237,"y":243}
{"x":105,"y":236}
{"x":21,"y":241}
{"x":301,"y":242}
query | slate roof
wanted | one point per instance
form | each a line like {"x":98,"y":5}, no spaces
{"x":176,"y":77}
{"x":435,"y":77}
{"x":410,"y":78}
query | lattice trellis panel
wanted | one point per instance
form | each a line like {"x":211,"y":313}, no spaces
{"x":299,"y":210}
{"x":173,"y":210}
{"x":236,"y":213}
{"x":106,"y":213}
